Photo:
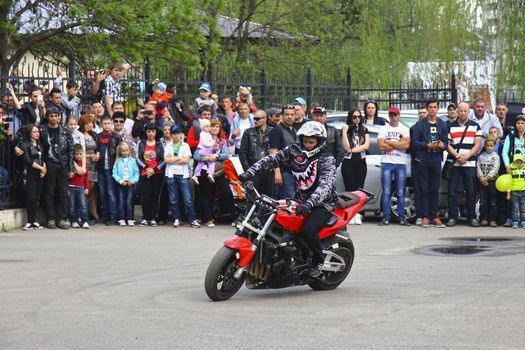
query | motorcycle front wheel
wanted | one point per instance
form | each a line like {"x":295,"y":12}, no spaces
{"x":331,"y":280}
{"x":219,"y":283}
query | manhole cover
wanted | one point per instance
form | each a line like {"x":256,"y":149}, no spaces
{"x":485,"y":239}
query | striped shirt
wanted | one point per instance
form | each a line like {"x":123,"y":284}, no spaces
{"x":455,"y":134}
{"x":112,"y":88}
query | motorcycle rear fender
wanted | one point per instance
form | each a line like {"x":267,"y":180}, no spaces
{"x":243,"y":246}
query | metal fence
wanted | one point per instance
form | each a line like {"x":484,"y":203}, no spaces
{"x":336,"y":93}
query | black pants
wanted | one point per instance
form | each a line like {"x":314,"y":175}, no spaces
{"x":56,"y":187}
{"x":150,"y":195}
{"x":162,"y":215}
{"x":33,"y":188}
{"x":316,"y":221}
{"x":354,"y":174}
{"x":205,"y":197}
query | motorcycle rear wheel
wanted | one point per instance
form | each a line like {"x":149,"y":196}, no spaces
{"x":219,"y":282}
{"x":331,"y":280}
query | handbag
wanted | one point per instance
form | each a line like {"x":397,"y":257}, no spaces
{"x":449,"y":163}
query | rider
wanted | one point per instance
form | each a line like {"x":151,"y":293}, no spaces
{"x":313,"y":168}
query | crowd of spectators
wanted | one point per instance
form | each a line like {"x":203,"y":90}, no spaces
{"x":86,"y":154}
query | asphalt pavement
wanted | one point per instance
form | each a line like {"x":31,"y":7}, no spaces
{"x":143,"y":288}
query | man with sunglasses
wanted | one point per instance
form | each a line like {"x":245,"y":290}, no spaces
{"x":254,"y":146}
{"x":393,"y":140}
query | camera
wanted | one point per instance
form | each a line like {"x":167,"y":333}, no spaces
{"x":40,"y":98}
{"x":148,"y":112}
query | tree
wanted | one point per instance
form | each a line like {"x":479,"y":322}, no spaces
{"x":96,"y":31}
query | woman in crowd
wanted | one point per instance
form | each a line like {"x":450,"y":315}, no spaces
{"x":371,"y":110}
{"x":356,"y":140}
{"x":514,"y":142}
{"x":151,"y":163}
{"x":86,"y":126}
{"x":36,"y":170}
{"x":205,"y":192}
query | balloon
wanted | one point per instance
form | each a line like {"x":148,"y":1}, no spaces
{"x":504,"y":183}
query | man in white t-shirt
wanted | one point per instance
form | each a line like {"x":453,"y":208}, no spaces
{"x":177,"y":155}
{"x":393,"y":140}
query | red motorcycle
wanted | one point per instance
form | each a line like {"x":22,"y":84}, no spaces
{"x":266,"y":250}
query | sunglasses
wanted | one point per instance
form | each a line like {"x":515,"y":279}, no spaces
{"x":356,"y":116}
{"x":393,"y":114}
{"x":118,"y":121}
{"x":257,"y":118}
{"x":289,"y":107}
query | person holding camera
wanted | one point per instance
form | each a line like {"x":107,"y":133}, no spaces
{"x":144,"y":117}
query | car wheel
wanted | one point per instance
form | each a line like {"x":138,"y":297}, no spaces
{"x":410,"y":203}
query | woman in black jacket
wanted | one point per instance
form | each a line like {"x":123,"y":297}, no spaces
{"x":36,"y":170}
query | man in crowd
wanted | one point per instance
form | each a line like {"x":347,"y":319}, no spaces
{"x":464,"y":143}
{"x":393,"y":140}
{"x":452,"y":114}
{"x":273,"y":116}
{"x":254,"y":146}
{"x":415,"y":167}
{"x":484,"y":118}
{"x":501,"y":113}
{"x":333,"y":140}
{"x":282,"y":135}
{"x":112,"y":86}
{"x":58,"y":156}
{"x":300,"y":112}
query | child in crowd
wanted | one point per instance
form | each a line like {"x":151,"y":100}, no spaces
{"x":177,"y":156}
{"x":78,"y":139}
{"x":126,"y":174}
{"x":517,"y":192}
{"x":244,"y":95}
{"x":78,"y":189}
{"x":487,"y":168}
{"x":204,"y":99}
{"x":161,"y":99}
{"x":206,"y":147}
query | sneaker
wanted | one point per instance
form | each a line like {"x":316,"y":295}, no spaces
{"x":437,"y":223}
{"x":514,"y":224}
{"x":419,"y":222}
{"x":63,"y":224}
{"x":51,"y":224}
{"x":75,"y":225}
{"x":152,"y":223}
{"x":176,"y":223}
{"x":143,"y":222}
{"x":85,"y":225}
{"x":196,"y":224}
{"x":403,"y":222}
{"x":131,"y":222}
{"x":36,"y":226}
{"x":425,"y":223}
{"x":484,"y":223}
{"x":474,"y":223}
{"x":122,"y":223}
{"x":451,"y":223}
{"x":211,"y":179}
{"x":315,"y":271}
{"x":210,"y":223}
{"x":358,"y":219}
{"x":384,"y":222}
{"x":27,"y":227}
{"x":195,"y":179}
{"x":508,"y":223}
{"x":493,"y":224}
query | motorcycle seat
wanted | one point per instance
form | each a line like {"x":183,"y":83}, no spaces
{"x":331,"y":222}
{"x":347,"y":199}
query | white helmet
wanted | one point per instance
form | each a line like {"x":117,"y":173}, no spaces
{"x":312,"y":129}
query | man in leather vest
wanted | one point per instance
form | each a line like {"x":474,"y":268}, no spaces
{"x":281,"y":136}
{"x":333,"y":142}
{"x":254,"y":146}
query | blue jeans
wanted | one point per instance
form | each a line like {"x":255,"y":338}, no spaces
{"x":468,"y":176}
{"x":77,"y":205}
{"x":429,"y":180}
{"x":107,"y":194}
{"x":126,"y":197}
{"x":288,"y":187}
{"x":488,"y":206}
{"x":518,"y":206}
{"x":178,"y":184}
{"x":388,"y":172}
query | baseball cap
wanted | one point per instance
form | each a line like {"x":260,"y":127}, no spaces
{"x":394,"y":110}
{"x":299,"y":100}
{"x":319,"y":110}
{"x":176,"y":129}
{"x":517,"y":156}
{"x":205,"y":86}
{"x":273,"y":111}
{"x":452,"y":105}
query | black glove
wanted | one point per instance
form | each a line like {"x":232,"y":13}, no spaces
{"x":244,"y":177}
{"x":303,"y":209}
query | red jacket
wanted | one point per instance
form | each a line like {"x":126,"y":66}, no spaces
{"x":80,"y":180}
